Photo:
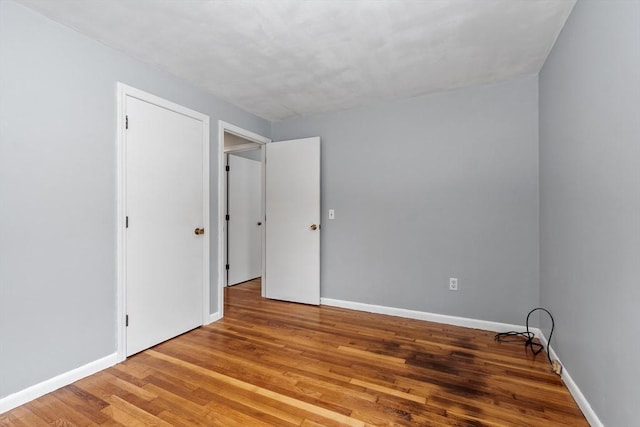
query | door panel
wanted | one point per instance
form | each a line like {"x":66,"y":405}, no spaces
{"x":244,"y":196}
{"x":292,"y":207}
{"x":164,"y":199}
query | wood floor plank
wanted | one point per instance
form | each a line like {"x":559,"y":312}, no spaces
{"x":21,"y":416}
{"x":272,"y":363}
{"x":129,"y":414}
{"x":261,"y":391}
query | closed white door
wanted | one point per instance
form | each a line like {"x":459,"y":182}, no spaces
{"x":164,"y":206}
{"x":244,"y":201}
{"x":292,"y":208}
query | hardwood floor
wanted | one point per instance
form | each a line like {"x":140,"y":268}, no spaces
{"x":276,"y":363}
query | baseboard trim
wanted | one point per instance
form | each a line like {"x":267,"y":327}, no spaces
{"x":214,"y":317}
{"x":580,"y":399}
{"x":573,"y":388}
{"x":423,"y":315}
{"x":28,"y":394}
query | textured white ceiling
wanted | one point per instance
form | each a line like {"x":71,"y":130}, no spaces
{"x":284,"y":58}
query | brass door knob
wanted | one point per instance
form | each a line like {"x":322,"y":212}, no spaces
{"x":313,"y":227}
{"x":199,"y":231}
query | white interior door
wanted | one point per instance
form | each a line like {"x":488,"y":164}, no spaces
{"x":164,"y":206}
{"x":292,"y":208}
{"x":244,"y":201}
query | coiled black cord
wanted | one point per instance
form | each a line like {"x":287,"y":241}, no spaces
{"x":528,"y":336}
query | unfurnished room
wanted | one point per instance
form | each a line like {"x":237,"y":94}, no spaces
{"x":319,"y":212}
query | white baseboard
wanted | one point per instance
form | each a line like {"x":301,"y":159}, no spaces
{"x":28,"y":394}
{"x":582,"y":402}
{"x":423,"y":315}
{"x":214,"y":317}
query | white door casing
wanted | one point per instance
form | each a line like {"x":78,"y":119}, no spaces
{"x":292,"y":205}
{"x":163,"y":266}
{"x":244,"y":196}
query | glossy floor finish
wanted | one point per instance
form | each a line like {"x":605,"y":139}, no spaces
{"x":276,"y":363}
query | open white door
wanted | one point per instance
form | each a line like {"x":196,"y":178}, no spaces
{"x":292,"y":207}
{"x":244,"y":195}
{"x":165,"y":207}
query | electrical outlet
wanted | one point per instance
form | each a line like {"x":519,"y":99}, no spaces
{"x":453,"y":284}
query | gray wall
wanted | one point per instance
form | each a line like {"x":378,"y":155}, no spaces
{"x":439,"y":186}
{"x":590,"y":202}
{"x":57,"y":191}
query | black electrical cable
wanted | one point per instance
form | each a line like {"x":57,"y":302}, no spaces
{"x":528,"y":336}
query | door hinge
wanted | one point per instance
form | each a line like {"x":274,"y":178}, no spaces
{"x":227,"y":267}
{"x":126,"y":222}
{"x":126,"y":320}
{"x":126,"y":122}
{"x":227,"y":217}
{"x":227,"y":168}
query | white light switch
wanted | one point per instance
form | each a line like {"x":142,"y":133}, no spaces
{"x":332,"y":214}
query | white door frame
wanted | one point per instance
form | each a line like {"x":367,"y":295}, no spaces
{"x":122,"y":92}
{"x":222,"y":204}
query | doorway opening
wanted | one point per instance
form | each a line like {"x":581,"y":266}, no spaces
{"x":290,"y":198}
{"x":244,"y":151}
{"x":244,"y":209}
